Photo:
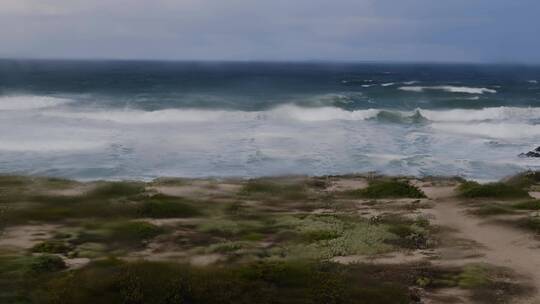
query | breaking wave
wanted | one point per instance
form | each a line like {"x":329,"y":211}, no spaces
{"x":450,"y":89}
{"x":22,"y":102}
{"x":298,"y":113}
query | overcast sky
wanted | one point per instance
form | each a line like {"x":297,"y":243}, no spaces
{"x":351,"y":30}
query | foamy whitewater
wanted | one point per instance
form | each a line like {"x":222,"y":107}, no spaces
{"x":137,"y":120}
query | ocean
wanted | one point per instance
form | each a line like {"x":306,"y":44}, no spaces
{"x":141,"y":120}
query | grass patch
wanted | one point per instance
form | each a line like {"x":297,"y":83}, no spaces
{"x":220,"y":227}
{"x":52,"y":246}
{"x":115,"y":201}
{"x":493,"y":209}
{"x":324,"y":237}
{"x":14,"y":184}
{"x":525,"y":180}
{"x":473,"y":276}
{"x":125,"y":234}
{"x":13,"y":181}
{"x":47,"y":263}
{"x":275,"y":190}
{"x":411,"y":234}
{"x":19,"y":273}
{"x":163,"y":206}
{"x":60,"y":208}
{"x":170,"y":181}
{"x":133,"y":232}
{"x":107,"y":200}
{"x":527,"y":205}
{"x":265,"y":283}
{"x":491,"y":190}
{"x":111,"y":190}
{"x":389,"y":189}
{"x":530,"y":223}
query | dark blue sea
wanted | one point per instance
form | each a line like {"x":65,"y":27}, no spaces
{"x":140,"y":120}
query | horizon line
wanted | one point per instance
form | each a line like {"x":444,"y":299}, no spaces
{"x":283,"y":61}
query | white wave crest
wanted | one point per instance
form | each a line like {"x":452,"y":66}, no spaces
{"x":293,"y":112}
{"x":143,"y":117}
{"x":491,"y":130}
{"x":323,"y":114}
{"x":451,"y":89}
{"x":498,"y":113}
{"x":192,"y":115}
{"x":21,"y":102}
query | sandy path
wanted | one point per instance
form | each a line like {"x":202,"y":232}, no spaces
{"x":499,"y":245}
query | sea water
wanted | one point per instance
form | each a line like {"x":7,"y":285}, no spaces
{"x":140,"y":120}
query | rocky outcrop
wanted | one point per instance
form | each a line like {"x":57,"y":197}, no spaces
{"x":533,"y":153}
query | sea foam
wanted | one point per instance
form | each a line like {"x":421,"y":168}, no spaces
{"x":451,"y":89}
{"x":294,"y":112}
{"x":22,"y":102}
{"x":491,"y":130}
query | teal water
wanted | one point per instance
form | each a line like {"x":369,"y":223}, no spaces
{"x":140,"y":120}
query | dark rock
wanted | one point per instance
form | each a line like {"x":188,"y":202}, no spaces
{"x":534,"y":153}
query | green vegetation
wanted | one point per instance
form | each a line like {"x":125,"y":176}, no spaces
{"x":47,"y":263}
{"x":525,"y":180}
{"x":486,"y":283}
{"x":527,"y":205}
{"x":106,"y":200}
{"x":111,"y":190}
{"x":51,"y":246}
{"x":389,"y":189}
{"x":130,"y":234}
{"x":268,"y":240}
{"x":163,"y":206}
{"x":493,"y":209}
{"x":3,"y":218}
{"x":492,"y":190}
{"x":272,"y":282}
{"x":473,"y":276}
{"x":17,"y":273}
{"x":488,"y":209}
{"x":273,"y":189}
{"x":530,"y":223}
{"x":134,"y":231}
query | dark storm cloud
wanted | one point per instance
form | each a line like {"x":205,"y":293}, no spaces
{"x":408,"y":30}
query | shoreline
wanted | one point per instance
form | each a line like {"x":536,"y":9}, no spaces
{"x":239,"y":178}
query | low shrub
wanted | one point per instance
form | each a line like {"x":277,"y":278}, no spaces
{"x":162,"y":206}
{"x":273,"y":190}
{"x":493,"y":209}
{"x":527,"y":205}
{"x":120,"y":234}
{"x":473,"y":276}
{"x":530,"y":223}
{"x":524,"y":180}
{"x":264,"y":283}
{"x":134,"y":232}
{"x":11,"y":181}
{"x":57,"y":209}
{"x":389,"y":189}
{"x":117,"y":189}
{"x":47,"y":263}
{"x":491,"y":190}
{"x":51,"y":246}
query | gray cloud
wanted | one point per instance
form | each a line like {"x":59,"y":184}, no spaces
{"x":412,"y":30}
